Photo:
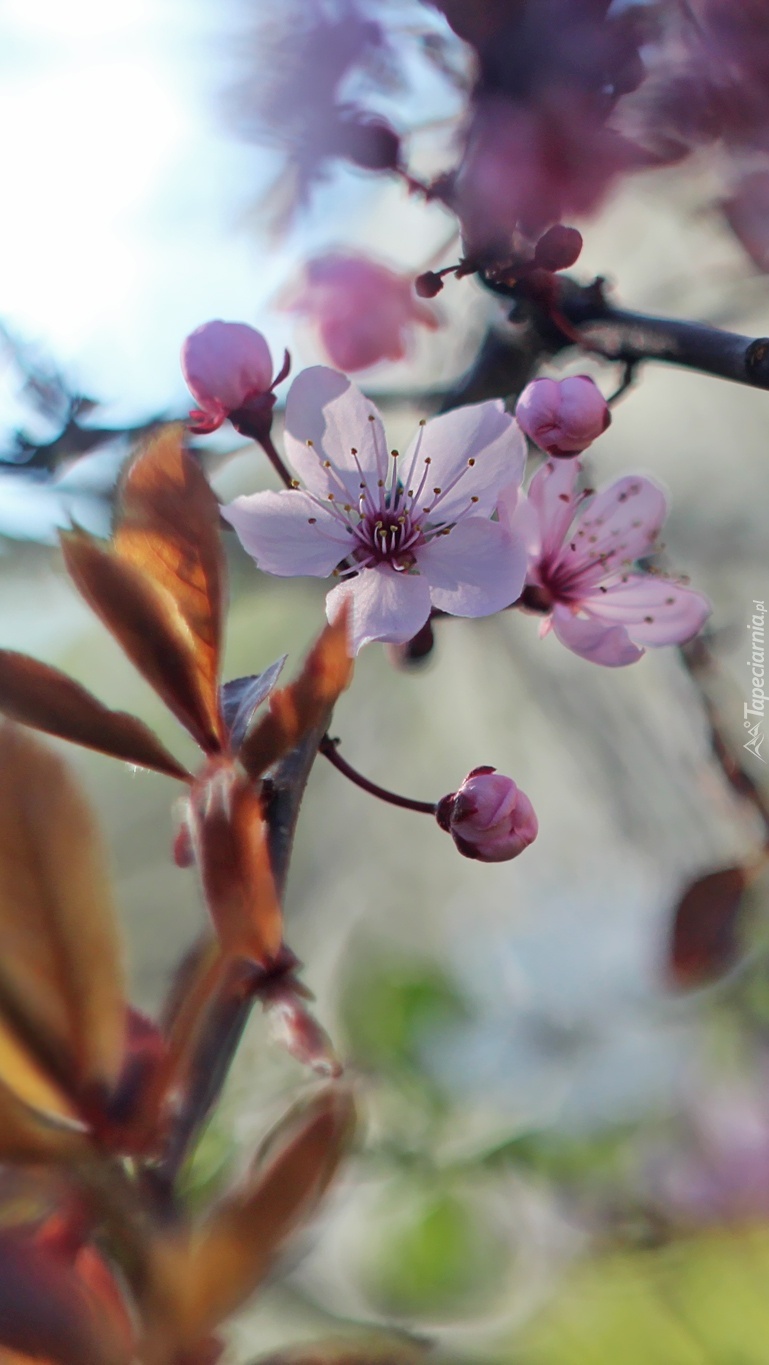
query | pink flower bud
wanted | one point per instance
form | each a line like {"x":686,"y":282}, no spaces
{"x":558,"y":248}
{"x":563,"y":416}
{"x":428,"y":284}
{"x":489,"y":818}
{"x":227,"y":366}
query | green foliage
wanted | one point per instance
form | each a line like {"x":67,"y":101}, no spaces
{"x":392,"y":1008}
{"x":435,"y":1253}
{"x":697,"y":1302}
{"x":208,"y":1166}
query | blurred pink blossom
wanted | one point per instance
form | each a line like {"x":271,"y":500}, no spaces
{"x":721,"y":1172}
{"x":582,"y":548}
{"x":226,"y":366}
{"x":526,"y":166}
{"x":489,"y":817}
{"x":404,"y":533}
{"x":362,"y":312}
{"x":563,"y":416}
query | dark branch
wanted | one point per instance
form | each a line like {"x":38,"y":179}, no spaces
{"x":631,"y":338}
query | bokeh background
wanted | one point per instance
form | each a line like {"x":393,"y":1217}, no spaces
{"x":565,"y":1154}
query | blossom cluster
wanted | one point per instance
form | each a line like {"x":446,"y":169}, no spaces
{"x":445,"y":527}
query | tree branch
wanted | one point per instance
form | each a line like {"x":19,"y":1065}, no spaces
{"x":229,"y":1014}
{"x":631,"y":338}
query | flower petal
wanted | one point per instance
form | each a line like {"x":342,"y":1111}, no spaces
{"x":327,"y":417}
{"x":288,"y":533}
{"x":552,"y":494}
{"x":655,"y":611}
{"x":385,"y":605}
{"x":519,"y":516}
{"x":477,"y":569}
{"x":622,"y":522}
{"x":483,"y":433}
{"x":592,"y":640}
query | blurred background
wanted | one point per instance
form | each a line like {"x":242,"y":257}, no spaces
{"x":566,"y":1148}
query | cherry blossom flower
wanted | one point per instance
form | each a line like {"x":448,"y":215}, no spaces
{"x":489,"y":817}
{"x":362,"y":311}
{"x":563,"y":416}
{"x":227,"y":366}
{"x":405,"y":533}
{"x":528,"y":165}
{"x":582,"y":549}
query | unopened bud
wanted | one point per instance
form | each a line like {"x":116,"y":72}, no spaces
{"x":558,"y":248}
{"x":563,"y":416}
{"x":227,"y":366}
{"x":428,"y":284}
{"x":489,"y":817}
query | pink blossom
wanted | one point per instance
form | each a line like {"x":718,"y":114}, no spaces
{"x":362,"y":311}
{"x":227,"y":366}
{"x":563,"y":416}
{"x":720,"y":1171}
{"x":582,"y":549}
{"x":489,"y":817}
{"x":404,"y":533}
{"x":528,"y":165}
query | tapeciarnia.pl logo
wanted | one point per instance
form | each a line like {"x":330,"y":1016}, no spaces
{"x":753,"y":711}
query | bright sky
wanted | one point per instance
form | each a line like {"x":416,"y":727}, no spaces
{"x":128,"y":214}
{"x":122,"y":197}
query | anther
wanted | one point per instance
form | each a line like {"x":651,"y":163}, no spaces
{"x":470,"y":463}
{"x":295,"y":483}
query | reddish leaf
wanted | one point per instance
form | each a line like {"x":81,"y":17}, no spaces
{"x":705,"y":943}
{"x":295,"y":1027}
{"x":41,"y":696}
{"x":193,"y":997}
{"x":168,"y":528}
{"x":48,"y":1312}
{"x":37,"y":1122}
{"x":148,"y":626}
{"x":61,"y":981}
{"x":230,"y":838}
{"x":208,"y":1277}
{"x":305,"y":704}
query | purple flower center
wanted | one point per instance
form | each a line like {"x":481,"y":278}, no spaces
{"x":386,"y":537}
{"x":396,"y":512}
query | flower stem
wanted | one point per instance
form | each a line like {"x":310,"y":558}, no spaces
{"x":329,"y":748}
{"x":266,"y":442}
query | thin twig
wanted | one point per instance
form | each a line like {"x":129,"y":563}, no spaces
{"x":328,"y":747}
